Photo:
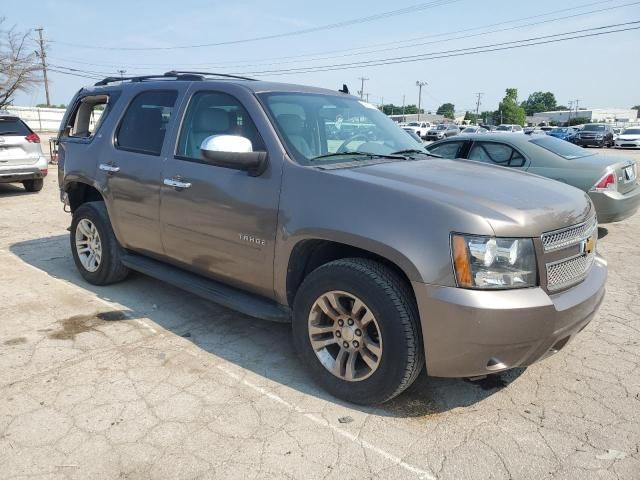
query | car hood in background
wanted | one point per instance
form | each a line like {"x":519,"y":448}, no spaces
{"x":514,"y":203}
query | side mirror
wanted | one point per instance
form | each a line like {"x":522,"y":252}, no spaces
{"x":233,"y":151}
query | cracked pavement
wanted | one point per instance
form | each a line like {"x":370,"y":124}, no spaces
{"x":142,"y":381}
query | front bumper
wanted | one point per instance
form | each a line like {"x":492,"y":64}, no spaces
{"x":591,"y":142}
{"x":615,"y":206}
{"x":627,"y":143}
{"x":469,"y":333}
{"x":19,"y":173}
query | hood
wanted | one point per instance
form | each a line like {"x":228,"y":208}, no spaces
{"x":513,"y":203}
{"x":629,"y":136}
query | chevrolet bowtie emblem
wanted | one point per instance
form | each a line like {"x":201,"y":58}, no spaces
{"x":587,"y":246}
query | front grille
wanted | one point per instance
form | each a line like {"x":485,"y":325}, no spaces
{"x":567,"y":272}
{"x":565,"y":237}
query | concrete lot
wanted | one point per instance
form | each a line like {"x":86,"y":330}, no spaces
{"x":141,"y":381}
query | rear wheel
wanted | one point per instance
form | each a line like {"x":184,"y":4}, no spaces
{"x":356,"y":328}
{"x":96,"y":251}
{"x":33,"y":185}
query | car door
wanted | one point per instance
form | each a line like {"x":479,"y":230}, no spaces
{"x":498,"y":153}
{"x":131,"y":172}
{"x":218,"y":221}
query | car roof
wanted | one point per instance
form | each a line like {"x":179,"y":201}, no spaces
{"x":497,"y":137}
{"x":256,"y":86}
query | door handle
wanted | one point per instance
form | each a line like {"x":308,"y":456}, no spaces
{"x":109,"y":168}
{"x":172,"y":182}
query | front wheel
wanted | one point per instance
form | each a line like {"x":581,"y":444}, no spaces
{"x":356,"y":328}
{"x":96,"y":251}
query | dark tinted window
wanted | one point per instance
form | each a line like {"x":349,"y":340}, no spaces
{"x":446,"y":150}
{"x":13,"y":126}
{"x":215,"y":113}
{"x":497,"y":153}
{"x":144,"y":124}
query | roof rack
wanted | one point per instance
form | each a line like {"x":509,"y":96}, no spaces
{"x":174,"y":74}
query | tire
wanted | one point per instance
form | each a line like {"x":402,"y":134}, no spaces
{"x":33,"y":185}
{"x":109,"y":267}
{"x":388,"y":298}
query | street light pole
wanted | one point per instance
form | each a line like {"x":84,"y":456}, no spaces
{"x":420,"y":84}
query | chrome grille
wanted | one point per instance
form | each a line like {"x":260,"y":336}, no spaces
{"x":565,"y":237}
{"x":567,"y":272}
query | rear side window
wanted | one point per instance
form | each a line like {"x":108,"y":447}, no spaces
{"x":144,"y":124}
{"x":446,"y":150}
{"x":86,"y":117}
{"x":497,"y":153}
{"x":13,"y":126}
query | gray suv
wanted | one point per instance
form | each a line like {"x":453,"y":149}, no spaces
{"x":384,"y":259}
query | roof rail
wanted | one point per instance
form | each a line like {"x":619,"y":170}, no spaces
{"x":211,"y":74}
{"x":175,"y":74}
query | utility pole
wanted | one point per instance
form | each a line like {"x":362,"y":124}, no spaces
{"x":479,"y":95}
{"x":570,"y":111}
{"x":122,"y":72}
{"x":382,"y":99}
{"x":43,"y":59}
{"x":420,"y":84}
{"x":403,"y":117}
{"x":367,"y":95}
{"x":362,"y":80}
{"x":577,"y":100}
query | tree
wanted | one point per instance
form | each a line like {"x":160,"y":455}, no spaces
{"x":471,"y":117}
{"x":637,"y":109}
{"x":19,"y":67}
{"x":539,"y":102}
{"x":578,"y":121}
{"x":447,"y":109}
{"x":391,"y":109}
{"x":564,"y":108}
{"x":508,"y":110}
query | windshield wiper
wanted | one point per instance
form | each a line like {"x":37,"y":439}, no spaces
{"x":415,"y":150}
{"x":394,"y":156}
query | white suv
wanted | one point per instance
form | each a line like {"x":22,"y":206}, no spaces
{"x":508,"y":128}
{"x":21,"y":157}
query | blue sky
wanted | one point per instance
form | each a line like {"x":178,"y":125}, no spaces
{"x":600,"y":71}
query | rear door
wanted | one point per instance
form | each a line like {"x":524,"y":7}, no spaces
{"x":221,"y":222}
{"x":131,"y":172}
{"x":18,"y":144}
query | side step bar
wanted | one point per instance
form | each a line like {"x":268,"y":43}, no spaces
{"x":230,"y":297}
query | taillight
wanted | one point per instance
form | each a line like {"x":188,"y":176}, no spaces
{"x":607,"y":182}
{"x":32,"y":138}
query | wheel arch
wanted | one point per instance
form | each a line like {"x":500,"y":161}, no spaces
{"x":79,"y":192}
{"x":311,"y":253}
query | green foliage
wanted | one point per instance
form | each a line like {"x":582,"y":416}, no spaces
{"x":391,"y":109}
{"x":447,"y":109}
{"x":637,"y":109}
{"x":44,"y":105}
{"x":508,"y":110}
{"x":539,"y":102}
{"x":562,"y":108}
{"x":471,"y":117}
{"x":578,"y":121}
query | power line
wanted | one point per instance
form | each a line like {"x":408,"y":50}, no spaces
{"x":331,"y":26}
{"x":451,"y":53}
{"x":246,"y":63}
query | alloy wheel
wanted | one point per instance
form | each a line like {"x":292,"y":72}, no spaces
{"x":88,"y":245}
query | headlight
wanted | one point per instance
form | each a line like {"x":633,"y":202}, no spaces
{"x":494,"y":263}
{"x":599,"y":136}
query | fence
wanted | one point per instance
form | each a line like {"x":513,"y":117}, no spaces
{"x":44,"y":119}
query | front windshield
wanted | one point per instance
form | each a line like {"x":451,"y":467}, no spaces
{"x":594,"y":128}
{"x":559,"y":130}
{"x":318,"y":125}
{"x":413,"y":124}
{"x":504,"y":128}
{"x":441,"y":127}
{"x":566,"y":150}
{"x":631,"y":131}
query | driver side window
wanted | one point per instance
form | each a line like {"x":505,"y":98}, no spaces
{"x":214,"y":113}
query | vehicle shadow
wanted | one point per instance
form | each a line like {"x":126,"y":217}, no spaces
{"x":262,"y":347}
{"x":13,"y":190}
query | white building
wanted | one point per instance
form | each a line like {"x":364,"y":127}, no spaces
{"x":610,"y":115}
